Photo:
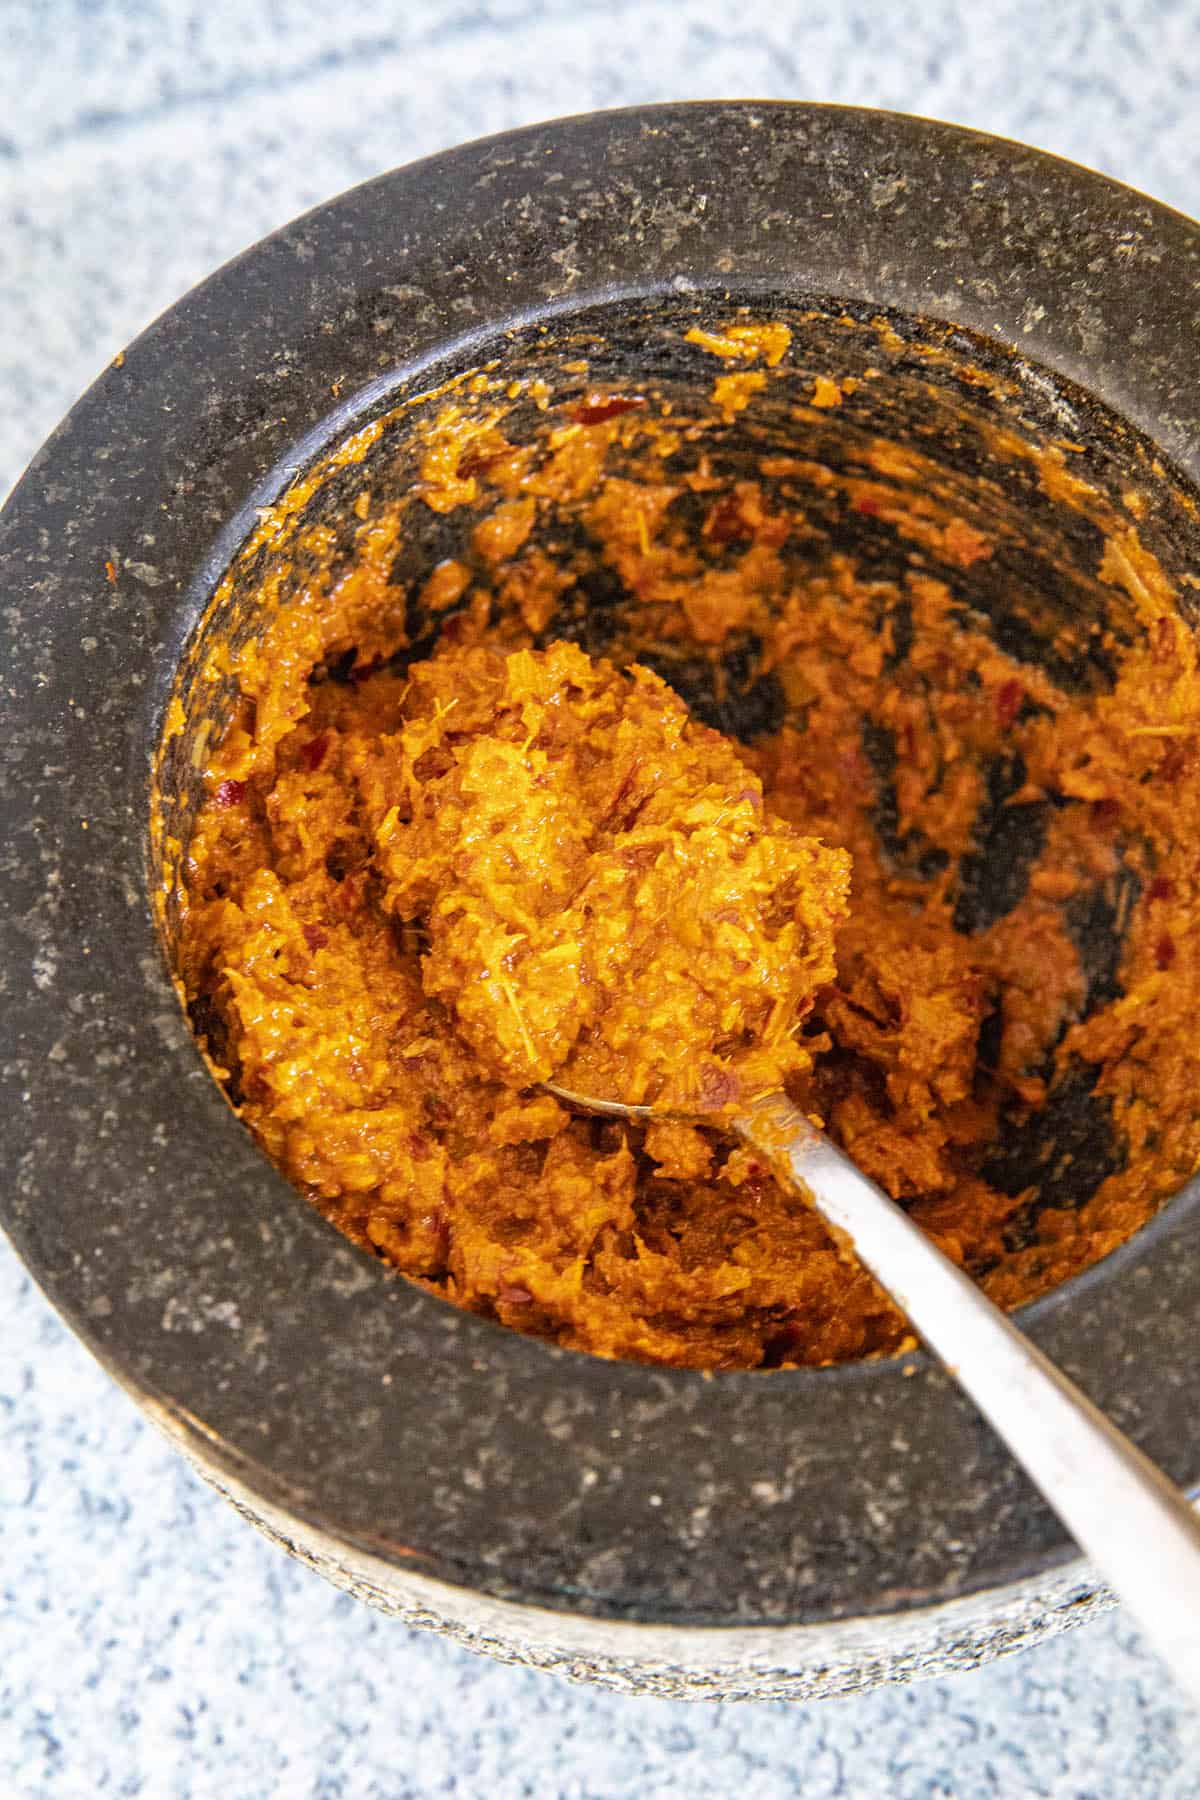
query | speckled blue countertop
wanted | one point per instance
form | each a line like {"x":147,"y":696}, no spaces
{"x":150,"y":1642}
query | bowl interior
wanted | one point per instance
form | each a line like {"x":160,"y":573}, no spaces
{"x":907,"y":451}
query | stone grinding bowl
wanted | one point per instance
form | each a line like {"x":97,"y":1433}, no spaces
{"x":795,"y":1533}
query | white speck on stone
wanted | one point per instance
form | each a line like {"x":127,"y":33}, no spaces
{"x":195,"y":1314}
{"x":878,"y":1515}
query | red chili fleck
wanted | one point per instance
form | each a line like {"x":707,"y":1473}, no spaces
{"x":1173,"y":764}
{"x":230,"y":793}
{"x":624,"y":789}
{"x":725,"y":523}
{"x":515,"y":1296}
{"x":596,"y":408}
{"x":314,"y":937}
{"x":1106,"y":812}
{"x":474,"y":462}
{"x":1161,"y":888}
{"x":866,"y":504}
{"x":455,"y":628}
{"x":1164,"y":951}
{"x":1009,"y":696}
{"x":718,"y":1087}
{"x":110,"y":570}
{"x":419,"y":1147}
{"x":313,"y":753}
{"x":346,"y":898}
{"x":639,"y":857}
{"x":1163,"y":641}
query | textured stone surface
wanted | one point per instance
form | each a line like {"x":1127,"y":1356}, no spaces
{"x":108,"y":174}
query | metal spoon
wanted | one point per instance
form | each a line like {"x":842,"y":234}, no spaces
{"x":1137,"y":1527}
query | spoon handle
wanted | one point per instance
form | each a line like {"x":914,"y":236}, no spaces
{"x":1137,"y":1528}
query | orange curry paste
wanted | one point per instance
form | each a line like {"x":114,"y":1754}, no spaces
{"x":605,"y":902}
{"x":419,"y":888}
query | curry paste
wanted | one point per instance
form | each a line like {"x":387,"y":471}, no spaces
{"x":405,"y":869}
{"x":605,"y":900}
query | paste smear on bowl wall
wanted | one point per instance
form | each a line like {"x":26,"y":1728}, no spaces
{"x":442,"y":847}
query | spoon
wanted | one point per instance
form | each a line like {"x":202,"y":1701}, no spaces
{"x":1133,"y":1523}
